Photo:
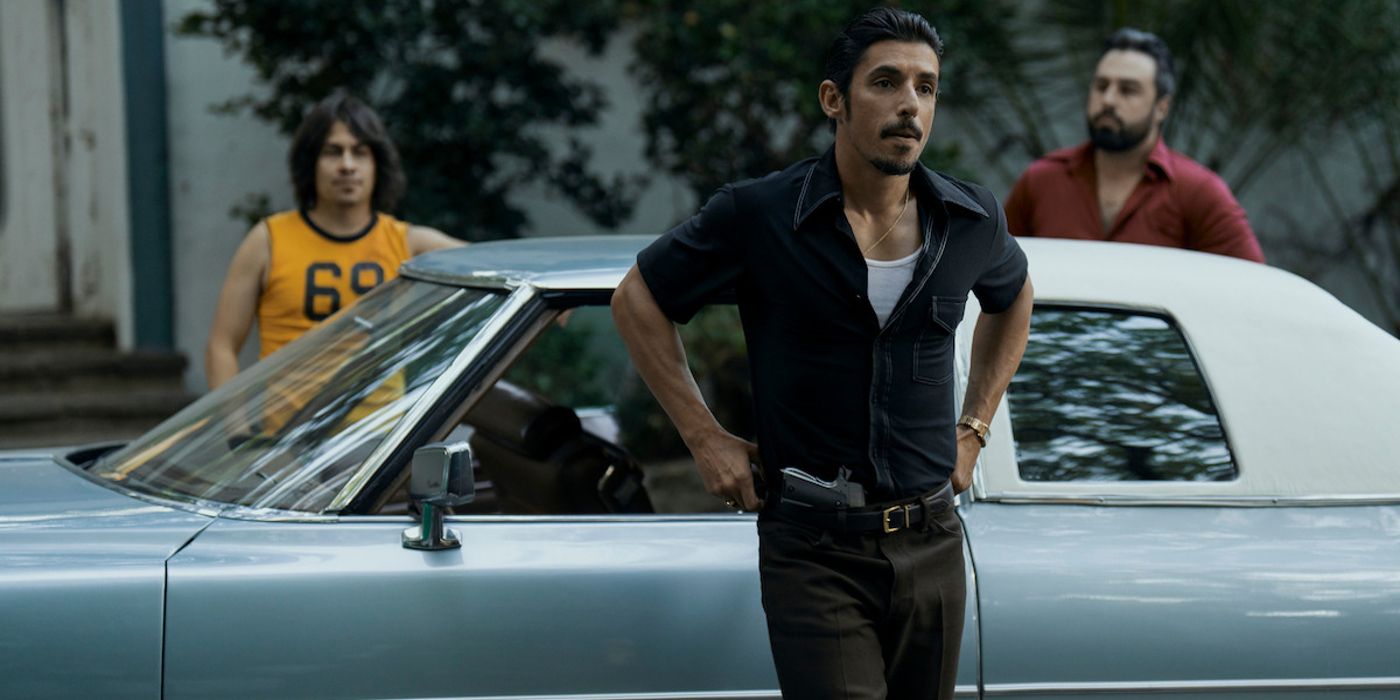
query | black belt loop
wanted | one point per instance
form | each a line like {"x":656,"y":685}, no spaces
{"x":927,"y":513}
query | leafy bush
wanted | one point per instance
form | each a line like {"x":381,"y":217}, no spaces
{"x":462,"y":86}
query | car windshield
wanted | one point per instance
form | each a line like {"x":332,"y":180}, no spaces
{"x":289,"y":432}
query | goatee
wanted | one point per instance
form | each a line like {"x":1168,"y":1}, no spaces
{"x":894,"y":167}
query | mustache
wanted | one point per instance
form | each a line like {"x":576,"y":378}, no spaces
{"x":908,"y":125}
{"x":1110,"y":114}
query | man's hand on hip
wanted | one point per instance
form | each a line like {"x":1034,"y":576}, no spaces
{"x":968,"y":449}
{"x":723,"y":461}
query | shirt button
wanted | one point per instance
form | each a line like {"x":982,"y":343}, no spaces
{"x":858,"y":297}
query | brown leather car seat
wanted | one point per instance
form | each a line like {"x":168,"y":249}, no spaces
{"x":540,"y":460}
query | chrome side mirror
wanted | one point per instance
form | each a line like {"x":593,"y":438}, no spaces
{"x":442,"y":477}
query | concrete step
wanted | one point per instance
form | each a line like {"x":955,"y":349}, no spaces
{"x":87,"y":370}
{"x":142,"y":406}
{"x":53,"y":331}
{"x":70,"y":432}
{"x":62,"y":382}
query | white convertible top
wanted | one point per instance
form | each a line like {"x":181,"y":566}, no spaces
{"x":1308,"y":390}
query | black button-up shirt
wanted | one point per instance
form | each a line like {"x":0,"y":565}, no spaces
{"x":831,"y":386}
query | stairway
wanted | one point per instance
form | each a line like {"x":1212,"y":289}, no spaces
{"x":63,"y":382}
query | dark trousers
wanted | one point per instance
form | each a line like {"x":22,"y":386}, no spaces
{"x":864,"y":616}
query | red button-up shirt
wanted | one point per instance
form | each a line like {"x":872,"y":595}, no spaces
{"x":1178,"y":203}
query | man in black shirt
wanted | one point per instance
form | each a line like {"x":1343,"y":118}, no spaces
{"x":851,"y":273}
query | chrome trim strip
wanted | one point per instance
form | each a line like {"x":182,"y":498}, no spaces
{"x":1162,"y":687}
{"x":701,"y":695}
{"x":493,"y":327}
{"x":969,"y":691}
{"x":483,"y":280}
{"x":1083,"y":305}
{"x":276,"y":515}
{"x":212,"y":509}
{"x":207,"y":508}
{"x":632,"y":519}
{"x":1193,"y":501}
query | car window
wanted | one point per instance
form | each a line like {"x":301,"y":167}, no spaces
{"x":1113,"y":396}
{"x":571,"y":428}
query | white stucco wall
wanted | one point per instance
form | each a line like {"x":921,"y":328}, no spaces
{"x":65,"y":226}
{"x":30,"y":97}
{"x":97,"y":200}
{"x":216,"y":161}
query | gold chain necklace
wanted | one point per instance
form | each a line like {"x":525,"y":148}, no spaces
{"x":897,"y":219}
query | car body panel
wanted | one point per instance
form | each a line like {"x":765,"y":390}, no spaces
{"x":1078,"y":597}
{"x":82,"y":583}
{"x":593,"y":603}
{"x":526,"y":606}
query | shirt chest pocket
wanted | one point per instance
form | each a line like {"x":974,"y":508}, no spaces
{"x":934,"y":348}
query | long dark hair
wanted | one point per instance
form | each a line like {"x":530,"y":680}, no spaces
{"x":310,"y":138}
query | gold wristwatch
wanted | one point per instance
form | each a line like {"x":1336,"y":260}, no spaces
{"x":978,"y":428}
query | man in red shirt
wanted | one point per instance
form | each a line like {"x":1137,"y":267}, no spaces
{"x":1124,"y":184}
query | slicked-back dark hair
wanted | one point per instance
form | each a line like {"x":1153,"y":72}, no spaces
{"x":1130,"y":39}
{"x":873,"y":26}
{"x":310,"y":138}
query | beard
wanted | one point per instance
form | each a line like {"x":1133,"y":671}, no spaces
{"x":894,"y":167}
{"x":1125,"y":137}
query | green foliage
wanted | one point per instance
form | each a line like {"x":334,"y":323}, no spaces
{"x":731,"y":85}
{"x":730,"y":90}
{"x":462,"y":86}
{"x":564,"y":366}
{"x":253,"y":208}
{"x":1255,"y":79}
{"x":714,"y":343}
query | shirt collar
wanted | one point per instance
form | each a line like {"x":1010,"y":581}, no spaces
{"x":1159,"y":159}
{"x":823,"y":183}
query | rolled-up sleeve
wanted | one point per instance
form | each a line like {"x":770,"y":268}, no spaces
{"x":690,"y":265}
{"x":1005,"y":271}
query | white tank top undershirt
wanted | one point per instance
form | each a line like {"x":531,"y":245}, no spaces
{"x":886,"y":281}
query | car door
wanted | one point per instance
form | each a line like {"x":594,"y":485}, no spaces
{"x":527,"y":607}
{"x":1117,"y":555}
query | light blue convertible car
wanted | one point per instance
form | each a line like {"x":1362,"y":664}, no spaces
{"x":459,"y":488}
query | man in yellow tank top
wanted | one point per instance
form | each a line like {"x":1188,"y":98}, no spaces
{"x":298,"y":267}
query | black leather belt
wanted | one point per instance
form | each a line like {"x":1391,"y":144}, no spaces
{"x":883,"y":518}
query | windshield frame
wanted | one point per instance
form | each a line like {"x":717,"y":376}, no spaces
{"x":516,"y":297}
{"x":516,"y":301}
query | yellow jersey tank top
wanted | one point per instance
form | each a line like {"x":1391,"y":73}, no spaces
{"x":312,"y":274}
